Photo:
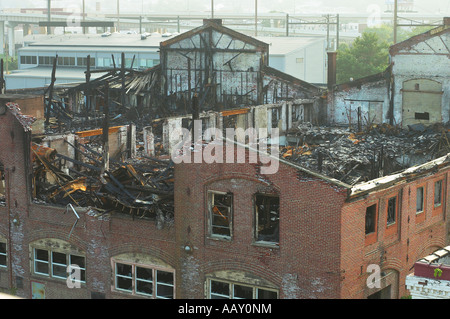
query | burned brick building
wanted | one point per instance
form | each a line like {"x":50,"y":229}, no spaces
{"x":235,"y":231}
{"x":414,"y":89}
{"x":98,"y":188}
{"x":210,"y":68}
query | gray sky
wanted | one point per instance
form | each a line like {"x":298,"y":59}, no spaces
{"x":290,"y":6}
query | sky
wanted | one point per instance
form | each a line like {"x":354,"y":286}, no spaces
{"x":287,"y":6}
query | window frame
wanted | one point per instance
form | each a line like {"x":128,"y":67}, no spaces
{"x":438,"y":182}
{"x":422,"y":208}
{"x":256,"y":220}
{"x":438,"y":208}
{"x":388,"y":224}
{"x":231,"y":289}
{"x":421,"y":214}
{"x":392,"y":228}
{"x":50,"y":264}
{"x":371,"y":237}
{"x":5,"y":254}
{"x":134,"y":280}
{"x":211,"y":226}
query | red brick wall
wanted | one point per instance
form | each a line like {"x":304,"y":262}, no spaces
{"x":306,"y":263}
{"x":100,"y":238}
{"x":416,"y":236}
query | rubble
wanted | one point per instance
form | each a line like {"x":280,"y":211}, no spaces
{"x":354,"y":157}
{"x":141,"y":187}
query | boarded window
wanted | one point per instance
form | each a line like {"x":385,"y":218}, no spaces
{"x":438,"y":193}
{"x":392,"y":210}
{"x":371,"y":215}
{"x":419,"y":199}
{"x":220,"y":210}
{"x":267,"y":215}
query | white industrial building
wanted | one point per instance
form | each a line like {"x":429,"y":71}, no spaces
{"x":36,"y":57}
{"x":301,"y":57}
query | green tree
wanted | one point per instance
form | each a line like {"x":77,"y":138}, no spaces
{"x":386,"y":32}
{"x":9,"y":62}
{"x":367,"y":55}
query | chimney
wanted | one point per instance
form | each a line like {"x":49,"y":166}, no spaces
{"x":331,"y":80}
{"x":447,"y":21}
{"x":216,"y":21}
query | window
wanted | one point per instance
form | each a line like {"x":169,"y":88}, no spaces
{"x":46,"y":60}
{"x":2,"y":185}
{"x":438,"y":193}
{"x":422,"y":116}
{"x":220,"y":214}
{"x":26,"y":59}
{"x":143,"y":280}
{"x":228,"y":290}
{"x":3,"y":255}
{"x":392,"y":210}
{"x":83,"y":61}
{"x":54,"y":264}
{"x":66,"y":61}
{"x":267,"y":216}
{"x":104,"y":62}
{"x":299,"y":60}
{"x":275,"y":116}
{"x":371,"y":219}
{"x":419,"y":200}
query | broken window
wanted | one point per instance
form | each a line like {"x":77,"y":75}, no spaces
{"x":228,"y":290}
{"x":220,"y":214}
{"x":2,"y":185}
{"x":275,"y":116}
{"x":145,"y":281}
{"x":422,"y":116}
{"x":392,"y":210}
{"x":297,"y":112}
{"x":419,"y":200}
{"x":3,"y":254}
{"x":267,"y":215}
{"x":438,"y":193}
{"x":371,"y":219}
{"x":54,"y":264}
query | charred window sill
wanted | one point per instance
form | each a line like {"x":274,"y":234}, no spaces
{"x":266,"y":244}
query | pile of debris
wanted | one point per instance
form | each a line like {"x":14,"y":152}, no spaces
{"x":354,"y":157}
{"x":141,"y":187}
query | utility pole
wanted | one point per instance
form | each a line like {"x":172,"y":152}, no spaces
{"x":287,"y":24}
{"x":395,"y":21}
{"x":337,"y":31}
{"x":256,"y":18}
{"x":118,"y":17}
{"x":83,"y":18}
{"x":328,"y":31}
{"x":49,"y":9}
{"x":212,"y":9}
